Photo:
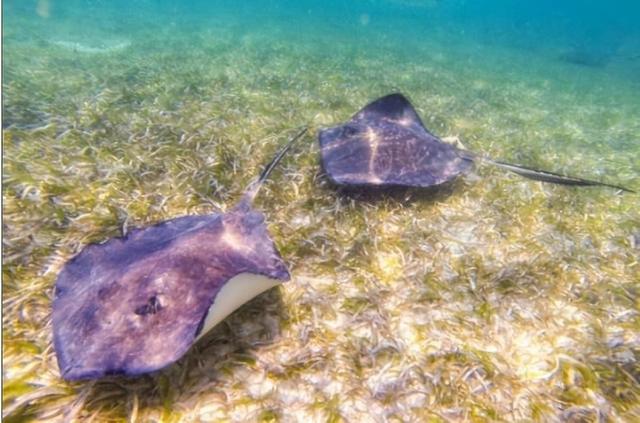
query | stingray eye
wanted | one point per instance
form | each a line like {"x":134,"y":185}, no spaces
{"x":151,"y":307}
{"x":349,"y":131}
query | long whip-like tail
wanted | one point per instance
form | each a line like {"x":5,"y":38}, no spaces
{"x":541,"y":175}
{"x":254,"y":186}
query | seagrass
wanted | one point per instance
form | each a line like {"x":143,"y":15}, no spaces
{"x":495,"y":298}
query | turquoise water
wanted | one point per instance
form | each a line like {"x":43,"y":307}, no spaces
{"x":584,"y":55}
{"x":500,"y":298}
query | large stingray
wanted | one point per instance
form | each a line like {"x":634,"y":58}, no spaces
{"x":136,"y":304}
{"x":386,"y":144}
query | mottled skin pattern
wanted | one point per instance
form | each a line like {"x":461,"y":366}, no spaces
{"x":136,"y":304}
{"x":386,"y":144}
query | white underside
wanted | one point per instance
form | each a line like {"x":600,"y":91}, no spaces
{"x":237,"y":291}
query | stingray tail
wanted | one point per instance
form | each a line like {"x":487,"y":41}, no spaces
{"x":274,"y":162}
{"x":543,"y":175}
{"x":254,"y":187}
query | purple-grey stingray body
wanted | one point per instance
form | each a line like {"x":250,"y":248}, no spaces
{"x":386,"y":145}
{"x":136,"y":304}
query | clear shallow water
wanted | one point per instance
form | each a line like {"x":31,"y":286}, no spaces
{"x":511,"y":298}
{"x":584,"y":50}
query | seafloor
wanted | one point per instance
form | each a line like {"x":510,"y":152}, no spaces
{"x":496,"y":298}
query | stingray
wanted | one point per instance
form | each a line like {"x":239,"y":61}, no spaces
{"x":136,"y":304}
{"x":585,"y":57}
{"x":386,"y":145}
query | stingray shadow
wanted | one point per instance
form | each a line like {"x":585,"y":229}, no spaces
{"x":231,"y":344}
{"x":372,"y":195}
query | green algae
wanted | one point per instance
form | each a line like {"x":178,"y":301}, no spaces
{"x":496,"y":298}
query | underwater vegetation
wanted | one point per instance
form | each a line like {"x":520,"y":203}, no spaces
{"x":494,"y":298}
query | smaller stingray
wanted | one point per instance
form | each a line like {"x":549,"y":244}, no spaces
{"x":585,"y":57}
{"x":136,"y":304}
{"x":386,"y":145}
